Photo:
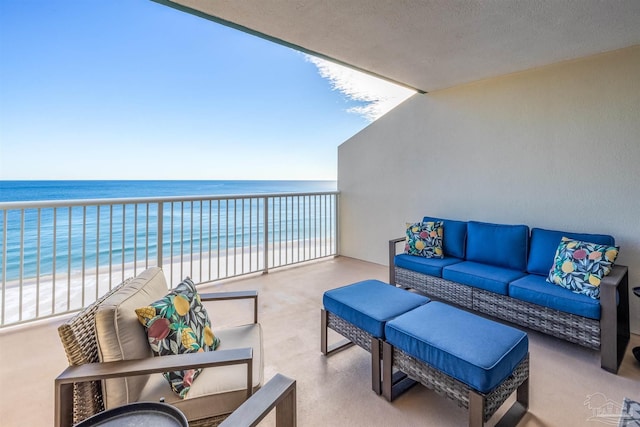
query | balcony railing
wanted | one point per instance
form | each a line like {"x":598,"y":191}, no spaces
{"x":59,"y":256}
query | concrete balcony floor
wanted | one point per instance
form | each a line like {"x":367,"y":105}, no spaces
{"x":568,"y":388}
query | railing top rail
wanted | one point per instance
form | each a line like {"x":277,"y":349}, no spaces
{"x":142,"y":200}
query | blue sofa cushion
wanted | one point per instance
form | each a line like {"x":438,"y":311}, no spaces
{"x":476,"y":351}
{"x":455,"y":235}
{"x":498,"y":244}
{"x":535,"y":289}
{"x":483,"y":276}
{"x":370,"y":304}
{"x":430,"y":266}
{"x":544,"y":244}
{"x":424,"y":239}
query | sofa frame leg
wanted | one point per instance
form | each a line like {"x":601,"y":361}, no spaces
{"x":376,"y":379}
{"x":519,"y":407}
{"x":614,"y":319}
{"x":325,"y":348}
{"x":510,"y":418}
{"x":393,"y":384}
{"x":374,"y":346}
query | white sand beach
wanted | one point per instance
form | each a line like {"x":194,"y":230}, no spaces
{"x":49,"y":295}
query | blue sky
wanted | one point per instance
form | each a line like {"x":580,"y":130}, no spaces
{"x":130,"y":89}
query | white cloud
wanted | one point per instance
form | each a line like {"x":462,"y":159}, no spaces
{"x":379,"y":95}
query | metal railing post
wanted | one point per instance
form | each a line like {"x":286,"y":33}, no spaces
{"x":160,"y":236}
{"x":337,"y":222}
{"x":266,"y":235}
{"x":4,"y":264}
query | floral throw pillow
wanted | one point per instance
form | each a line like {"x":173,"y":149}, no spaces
{"x":580,"y":266}
{"x":425,"y":239}
{"x":176,"y":324}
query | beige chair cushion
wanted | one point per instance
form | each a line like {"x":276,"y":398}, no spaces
{"x":122,"y":337}
{"x":227,"y":383}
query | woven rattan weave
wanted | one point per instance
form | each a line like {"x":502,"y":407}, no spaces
{"x":610,"y":333}
{"x":453,"y":389}
{"x":435,"y":287}
{"x":350,"y":331}
{"x":208,"y":422}
{"x":78,"y":336}
{"x":576,"y":329}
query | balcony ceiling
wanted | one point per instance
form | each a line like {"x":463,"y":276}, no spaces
{"x":434,"y":44}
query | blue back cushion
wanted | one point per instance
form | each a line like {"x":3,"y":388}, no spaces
{"x":498,"y":244}
{"x":544,"y":244}
{"x":455,"y":234}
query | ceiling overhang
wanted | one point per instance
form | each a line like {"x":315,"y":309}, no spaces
{"x":434,"y":44}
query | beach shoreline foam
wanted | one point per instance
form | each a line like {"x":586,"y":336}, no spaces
{"x":52,"y":295}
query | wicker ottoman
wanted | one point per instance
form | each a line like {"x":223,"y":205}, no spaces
{"x":475,"y":361}
{"x":359,"y":312}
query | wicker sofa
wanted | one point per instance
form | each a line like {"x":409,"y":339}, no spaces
{"x":500,"y":270}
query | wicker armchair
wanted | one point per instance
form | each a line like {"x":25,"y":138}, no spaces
{"x":86,"y":387}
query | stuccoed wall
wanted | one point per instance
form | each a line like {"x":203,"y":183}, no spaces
{"x":556,"y":147}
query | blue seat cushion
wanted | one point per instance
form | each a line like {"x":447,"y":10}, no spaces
{"x":535,"y":289}
{"x":455,"y":236}
{"x":498,"y":244}
{"x":370,"y":304}
{"x":476,"y":351}
{"x":544,"y":243}
{"x":483,"y":276}
{"x":430,"y":266}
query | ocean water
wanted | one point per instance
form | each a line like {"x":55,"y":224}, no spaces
{"x":70,"y":190}
{"x":89,"y":236}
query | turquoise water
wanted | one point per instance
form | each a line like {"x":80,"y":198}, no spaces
{"x":91,"y":236}
{"x":67,"y":190}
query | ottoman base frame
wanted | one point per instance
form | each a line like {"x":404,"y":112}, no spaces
{"x":353,"y":335}
{"x":480,"y":406}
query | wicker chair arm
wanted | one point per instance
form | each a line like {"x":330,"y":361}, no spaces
{"x":227,"y":296}
{"x":392,"y":254}
{"x":279,"y":393}
{"x":614,"y":317}
{"x":614,"y":279}
{"x":151,"y":365}
{"x":125,"y":368}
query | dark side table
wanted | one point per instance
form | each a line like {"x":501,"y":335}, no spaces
{"x":636,"y":350}
{"x":139,"y":414}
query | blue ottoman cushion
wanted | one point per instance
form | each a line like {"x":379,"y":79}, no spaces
{"x":370,"y":304}
{"x":430,"y":266}
{"x":476,"y":351}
